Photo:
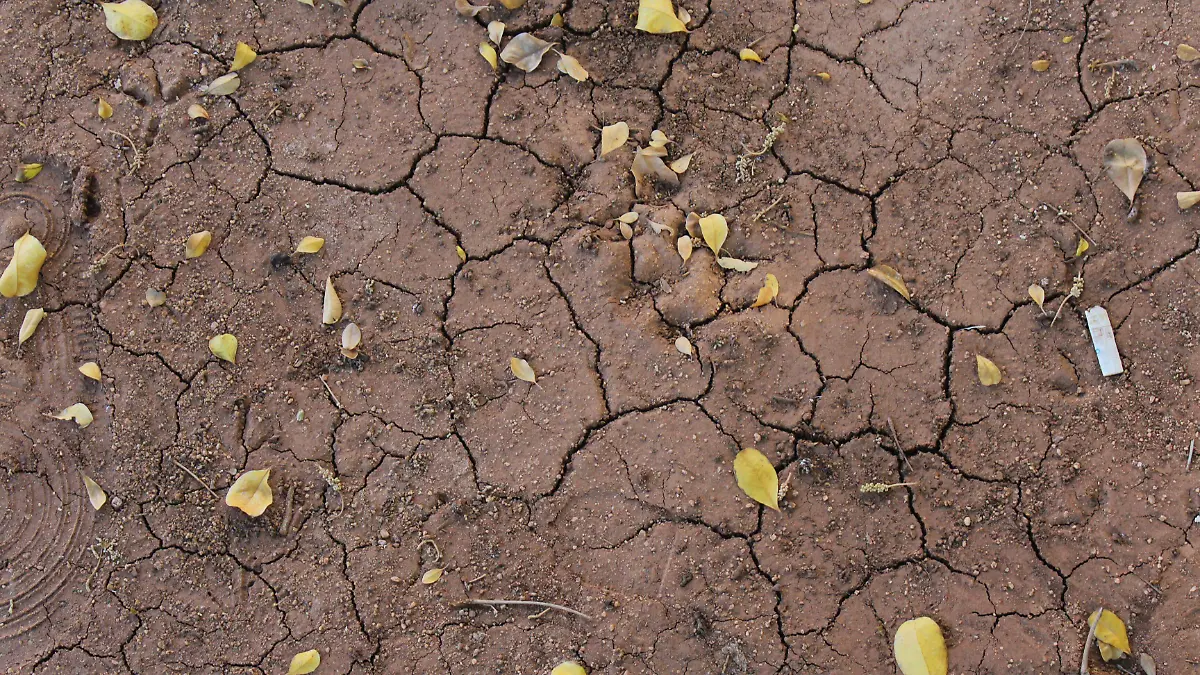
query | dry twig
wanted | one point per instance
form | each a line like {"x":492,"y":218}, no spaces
{"x":197,"y":478}
{"x":1087,"y":644}
{"x":526,"y":603}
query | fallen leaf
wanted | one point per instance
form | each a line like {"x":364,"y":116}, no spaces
{"x":626,"y":230}
{"x":488,"y":52}
{"x":1111,"y":635}
{"x":359,"y":64}
{"x":21,"y":275}
{"x":90,"y":370}
{"x":680,"y":165}
{"x":736,"y":265}
{"x":557,"y":20}
{"x":197,"y":244}
{"x":155,"y":297}
{"x":224,"y":347}
{"x":27,"y":172}
{"x":310,"y":244}
{"x":513,"y":4}
{"x":495,"y":31}
{"x":1039,"y":296}
{"x":989,"y":372}
{"x":757,"y":478}
{"x":684,"y":345}
{"x":431,"y":576}
{"x":768,"y":292}
{"x":571,"y":66}
{"x":612,"y":137}
{"x":629,"y":217}
{"x":305,"y":662}
{"x":243,"y":56}
{"x":251,"y":493}
{"x":1147,"y":663}
{"x":103,"y":109}
{"x":748,"y":54}
{"x":659,"y":228}
{"x":648,"y":167}
{"x":1186,"y":52}
{"x":1081,"y":247}
{"x":310,"y":3}
{"x":1041,"y":65}
{"x":824,"y":77}
{"x":525,"y":51}
{"x":29,"y":324}
{"x":339,"y":3}
{"x":684,"y":246}
{"x":715,"y":230}
{"x":95,"y":493}
{"x":684,"y":15}
{"x":462,"y":253}
{"x":1067,"y":39}
{"x":78,"y":412}
{"x":465,"y":8}
{"x":331,"y":308}
{"x":658,"y":139}
{"x":864,"y":2}
{"x":920,"y":648}
{"x":892,"y":278}
{"x":522,"y":370}
{"x":130,"y":20}
{"x":1125,"y":160}
{"x":197,"y":111}
{"x":1187,"y":200}
{"x":658,"y":16}
{"x":223,"y":85}
{"x":351,"y":337}
{"x":568,"y":668}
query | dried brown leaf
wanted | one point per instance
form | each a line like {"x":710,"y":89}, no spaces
{"x":525,"y":51}
{"x":1125,"y":161}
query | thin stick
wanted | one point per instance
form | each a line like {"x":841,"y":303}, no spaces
{"x":197,"y":478}
{"x":1087,"y":644}
{"x":527,"y":603}
{"x":899,"y":448}
{"x":1191,"y":451}
{"x":332,"y":395}
{"x":770,"y":206}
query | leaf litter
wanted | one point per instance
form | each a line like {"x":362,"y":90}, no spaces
{"x":525,"y":51}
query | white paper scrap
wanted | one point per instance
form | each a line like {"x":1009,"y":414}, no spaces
{"x":1104,"y":341}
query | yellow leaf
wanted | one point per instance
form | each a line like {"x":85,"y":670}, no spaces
{"x":32,"y":319}
{"x":525,"y":51}
{"x":748,"y":54}
{"x":557,"y":20}
{"x":90,"y":370}
{"x":465,"y":8}
{"x":251,"y":493}
{"x":95,"y":493}
{"x":310,"y":3}
{"x":21,"y":275}
{"x":715,"y":230}
{"x":920,"y":648}
{"x":1110,"y":631}
{"x":825,"y":77}
{"x":1081,"y":247}
{"x":892,"y":278}
{"x":522,"y":370}
{"x":1187,"y":52}
{"x":684,"y":246}
{"x":768,"y":292}
{"x":1039,"y":295}
{"x":223,"y":85}
{"x":488,"y":53}
{"x":27,"y":172}
{"x":630,"y":217}
{"x":658,"y":139}
{"x":757,"y":478}
{"x":431,"y":576}
{"x":571,"y":66}
{"x":224,"y":347}
{"x":103,"y":109}
{"x":196,"y":111}
{"x":78,"y":412}
{"x":684,"y":345}
{"x":736,"y":264}
{"x":243,"y":56}
{"x":1041,"y":65}
{"x":359,"y":64}
{"x":612,"y":137}
{"x":130,"y":20}
{"x":658,"y":16}
{"x":1125,"y":160}
{"x":197,"y":244}
{"x":351,"y":337}
{"x":513,"y":4}
{"x":1187,"y":200}
{"x":495,"y":31}
{"x":568,"y":668}
{"x":305,"y":662}
{"x":155,"y":297}
{"x":462,"y":253}
{"x":331,"y":308}
{"x":626,"y":230}
{"x":989,"y":372}
{"x":310,"y":244}
{"x":680,"y":165}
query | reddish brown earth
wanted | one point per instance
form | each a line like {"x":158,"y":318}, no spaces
{"x":608,"y":487}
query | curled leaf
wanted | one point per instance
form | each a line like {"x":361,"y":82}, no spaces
{"x":568,"y":668}
{"x":304,"y":662}
{"x":33,"y":318}
{"x":748,"y":54}
{"x":21,"y":275}
{"x":648,"y":168}
{"x":78,"y":412}
{"x":571,"y":66}
{"x":223,"y":85}
{"x":130,"y":20}
{"x":629,"y":217}
{"x":715,"y":231}
{"x":224,"y":347}
{"x":1041,"y":65}
{"x":95,"y":493}
{"x":684,"y":15}
{"x":988,"y":372}
{"x":495,"y":31}
{"x":310,"y":244}
{"x":1125,"y":160}
{"x":920,"y":648}
{"x":824,"y":77}
{"x":331,"y":308}
{"x":27,"y":172}
{"x":1186,"y":52}
{"x":1039,"y":296}
{"x":892,"y":278}
{"x":522,"y":370}
{"x":488,"y":52}
{"x":684,"y":246}
{"x":1081,"y":247}
{"x":513,"y":4}
{"x":90,"y":370}
{"x":757,"y":478}
{"x":155,"y":297}
{"x":684,"y":346}
{"x":612,"y":137}
{"x":626,"y":230}
{"x":680,"y":165}
{"x":465,"y":8}
{"x":557,"y":20}
{"x":768,"y":292}
{"x":431,"y":576}
{"x":736,"y":264}
{"x":1110,"y":634}
{"x":197,"y":111}
{"x":1187,"y":200}
{"x":351,"y":337}
{"x":251,"y":493}
{"x":243,"y":56}
{"x":462,"y":253}
{"x":525,"y":51}
{"x":658,"y":139}
{"x":658,"y":16}
{"x":103,"y":109}
{"x":197,"y":244}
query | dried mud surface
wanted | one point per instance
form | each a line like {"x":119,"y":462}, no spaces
{"x":608,"y":488}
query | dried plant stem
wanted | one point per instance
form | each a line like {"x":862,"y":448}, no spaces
{"x":1087,"y":644}
{"x":333,"y":396}
{"x":196,"y":478}
{"x":526,"y":603}
{"x":770,"y":206}
{"x":899,"y":448}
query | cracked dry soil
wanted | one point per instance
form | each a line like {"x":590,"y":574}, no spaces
{"x":608,"y":488}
